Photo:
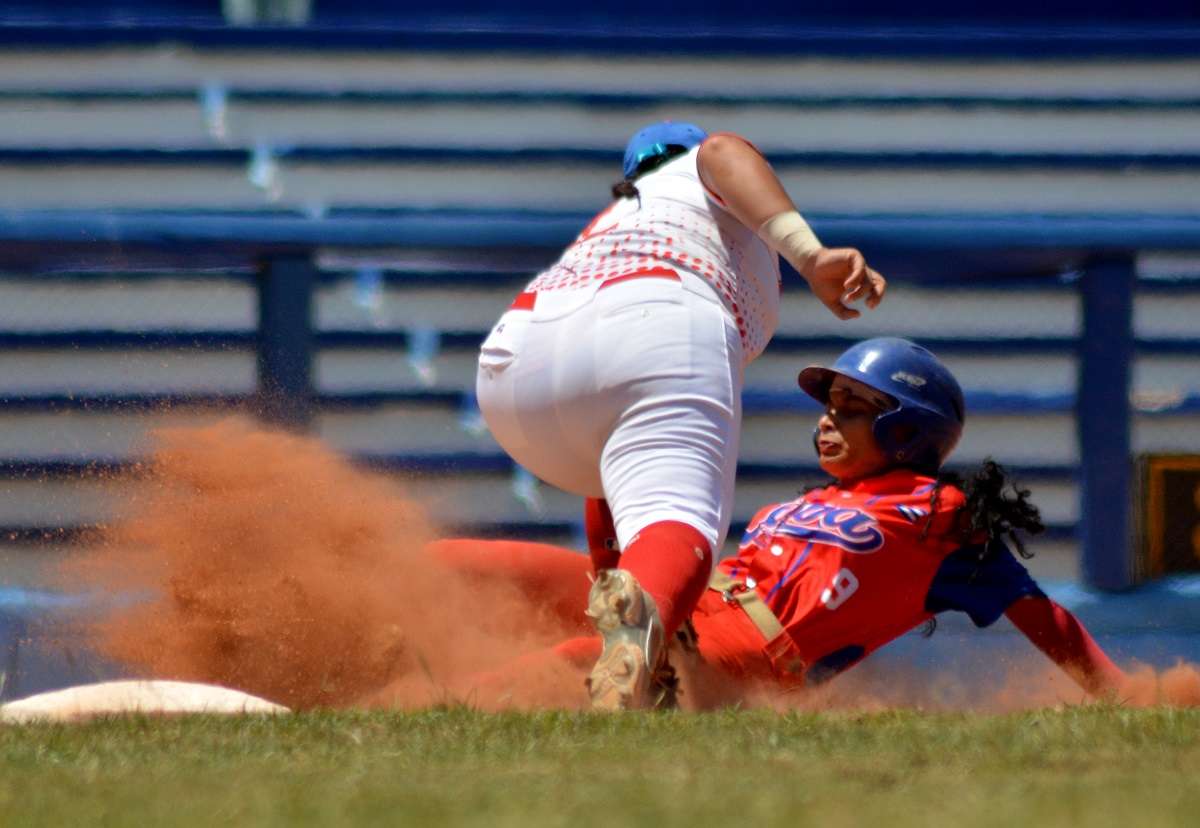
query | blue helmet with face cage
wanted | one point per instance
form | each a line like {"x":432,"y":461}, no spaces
{"x":656,"y":140}
{"x":926,"y":420}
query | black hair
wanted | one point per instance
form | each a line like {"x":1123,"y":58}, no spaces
{"x":995,"y":509}
{"x":625,"y":188}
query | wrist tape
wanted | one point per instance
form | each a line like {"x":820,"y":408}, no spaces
{"x":789,"y":235}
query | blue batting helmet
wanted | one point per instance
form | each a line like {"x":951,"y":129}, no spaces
{"x":654,"y":140}
{"x":927,"y":420}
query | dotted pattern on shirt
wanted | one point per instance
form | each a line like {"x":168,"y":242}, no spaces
{"x":665,"y":234}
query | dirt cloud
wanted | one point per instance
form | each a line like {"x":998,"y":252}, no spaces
{"x":266,"y":562}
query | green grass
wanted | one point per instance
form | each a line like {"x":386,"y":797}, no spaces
{"x":1080,"y":766}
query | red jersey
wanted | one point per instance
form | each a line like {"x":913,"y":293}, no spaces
{"x":846,"y":570}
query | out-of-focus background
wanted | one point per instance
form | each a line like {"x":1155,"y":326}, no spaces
{"x":315,"y":210}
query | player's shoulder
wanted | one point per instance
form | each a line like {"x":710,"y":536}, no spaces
{"x":898,"y":485}
{"x":718,"y":141}
{"x":906,"y":497}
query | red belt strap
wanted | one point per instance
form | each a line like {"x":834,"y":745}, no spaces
{"x":527,"y":299}
{"x":524,"y":301}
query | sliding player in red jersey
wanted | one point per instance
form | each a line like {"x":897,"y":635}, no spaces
{"x":821,"y":581}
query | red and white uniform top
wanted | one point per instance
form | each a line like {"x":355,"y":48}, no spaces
{"x":676,"y":223}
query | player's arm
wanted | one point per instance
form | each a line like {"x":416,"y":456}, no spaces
{"x":1055,"y":631}
{"x":986,"y":584}
{"x":744,"y":183}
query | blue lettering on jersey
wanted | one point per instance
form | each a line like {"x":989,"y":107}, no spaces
{"x":847,"y":528}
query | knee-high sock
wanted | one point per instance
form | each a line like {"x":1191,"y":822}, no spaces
{"x":672,"y":561}
{"x":601,"y":534}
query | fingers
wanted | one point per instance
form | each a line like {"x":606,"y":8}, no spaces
{"x":841,"y":311}
{"x":856,"y":285}
{"x":878,"y":288}
{"x":863,"y":282}
{"x":859,"y":283}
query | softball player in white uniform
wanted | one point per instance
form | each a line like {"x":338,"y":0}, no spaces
{"x":617,"y":372}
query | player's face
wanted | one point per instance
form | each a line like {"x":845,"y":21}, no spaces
{"x":845,"y":438}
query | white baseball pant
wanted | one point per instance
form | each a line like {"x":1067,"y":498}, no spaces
{"x":631,"y":392}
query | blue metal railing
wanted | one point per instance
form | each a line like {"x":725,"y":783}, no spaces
{"x":1098,"y":249}
{"x":550,"y":156}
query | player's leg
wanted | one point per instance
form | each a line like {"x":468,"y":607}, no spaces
{"x":730,"y":660}
{"x":603,"y":547}
{"x":728,"y":640}
{"x":640,"y":386}
{"x":554,"y":579}
{"x":536,"y":387}
{"x":668,"y":470}
{"x":670,"y":463}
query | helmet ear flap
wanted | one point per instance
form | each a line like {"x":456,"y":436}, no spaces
{"x":914,"y":438}
{"x":902,"y":436}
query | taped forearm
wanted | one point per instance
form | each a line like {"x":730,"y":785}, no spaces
{"x":789,"y":235}
{"x":1061,"y":636}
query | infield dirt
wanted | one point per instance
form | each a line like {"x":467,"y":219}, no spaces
{"x":267,"y":562}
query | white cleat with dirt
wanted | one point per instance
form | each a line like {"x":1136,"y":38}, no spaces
{"x":624,"y":677}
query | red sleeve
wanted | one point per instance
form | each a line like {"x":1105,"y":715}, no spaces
{"x":1061,"y":636}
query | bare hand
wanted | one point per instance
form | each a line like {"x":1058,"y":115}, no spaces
{"x":838,"y":276}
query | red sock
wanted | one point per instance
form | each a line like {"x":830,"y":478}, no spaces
{"x":601,"y":534}
{"x":672,"y":562}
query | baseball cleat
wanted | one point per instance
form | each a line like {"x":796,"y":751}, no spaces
{"x":626,"y":675}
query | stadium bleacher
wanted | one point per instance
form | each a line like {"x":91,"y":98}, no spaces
{"x":145,"y":174}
